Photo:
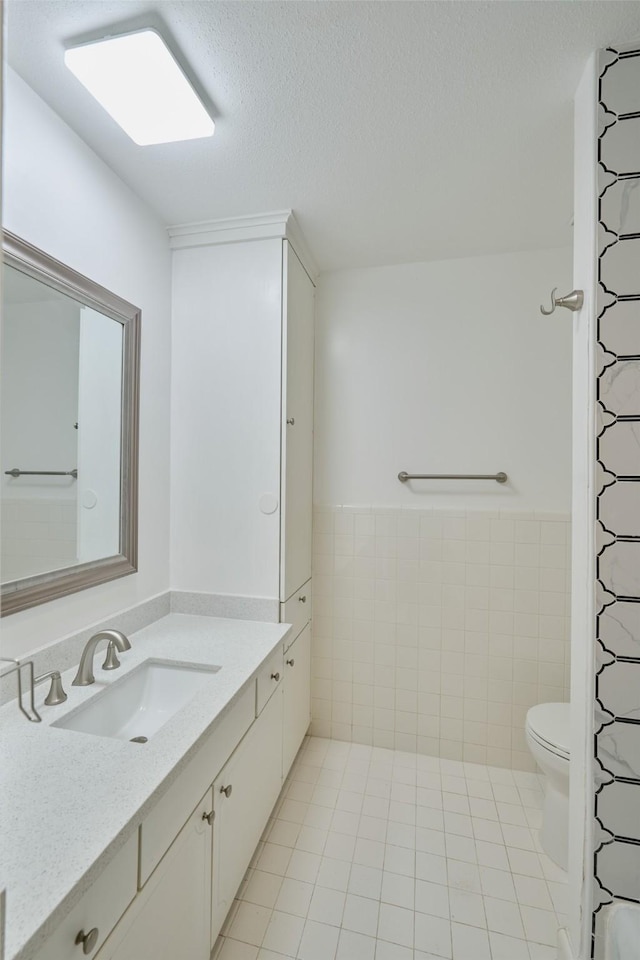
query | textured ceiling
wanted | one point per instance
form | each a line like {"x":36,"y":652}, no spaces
{"x":396,"y":131}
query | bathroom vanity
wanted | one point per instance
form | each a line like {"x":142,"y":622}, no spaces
{"x":117,"y":849}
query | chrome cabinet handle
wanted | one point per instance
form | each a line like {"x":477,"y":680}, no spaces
{"x":88,"y":940}
{"x":290,"y":663}
{"x":302,"y":599}
{"x":291,"y":421}
{"x":210,"y":817}
{"x":226,"y":790}
{"x":275,"y":676}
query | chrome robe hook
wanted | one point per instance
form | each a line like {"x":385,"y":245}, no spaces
{"x":573,"y":301}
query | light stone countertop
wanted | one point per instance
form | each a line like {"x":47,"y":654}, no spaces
{"x":69,"y":801}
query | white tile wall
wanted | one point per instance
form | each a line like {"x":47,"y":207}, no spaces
{"x":435,"y":631}
{"x":37,"y":536}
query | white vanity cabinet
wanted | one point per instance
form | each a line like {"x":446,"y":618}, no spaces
{"x":243,"y":796}
{"x":296,"y":696}
{"x":242,"y":409}
{"x":98,"y":910}
{"x":170,"y":916}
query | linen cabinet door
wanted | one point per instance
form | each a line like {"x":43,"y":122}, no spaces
{"x":297,"y":697}
{"x":244,"y":794}
{"x":170,"y":916}
{"x":297,"y":427}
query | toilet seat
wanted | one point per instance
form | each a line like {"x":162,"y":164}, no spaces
{"x":549,"y":725}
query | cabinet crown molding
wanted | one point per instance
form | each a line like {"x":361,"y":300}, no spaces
{"x":264,"y":226}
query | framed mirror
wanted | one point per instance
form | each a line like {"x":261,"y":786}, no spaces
{"x":69,"y":400}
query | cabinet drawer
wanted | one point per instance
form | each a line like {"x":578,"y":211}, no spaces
{"x":101,"y":907}
{"x":297,"y":611}
{"x":269,"y":679}
{"x":167,"y":817}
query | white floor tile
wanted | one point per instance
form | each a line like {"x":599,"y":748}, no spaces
{"x":376,"y":854}
{"x":525,"y":863}
{"x":397,"y":890}
{"x":294,"y":897}
{"x":333,"y":873}
{"x":497,"y":884}
{"x":469,"y":943}
{"x":274,"y":859}
{"x":508,"y":948}
{"x":533,"y":892}
{"x":303,"y":866}
{"x":369,"y":853}
{"x":361,"y":915}
{"x":430,"y":867}
{"x":432,"y":899}
{"x":433,"y":934}
{"x":467,"y":908}
{"x":392,"y":951}
{"x":355,"y":946}
{"x":458,"y":824}
{"x":461,"y":848}
{"x":340,"y":846}
{"x":400,"y":860}
{"x":284,"y":832}
{"x":396,"y":925}
{"x":283,"y":933}
{"x":319,"y":941}
{"x":365,"y":881}
{"x":540,"y":926}
{"x":262,"y":888}
{"x":235,"y":950}
{"x":401,"y":834}
{"x":492,"y":855}
{"x":373,"y":828}
{"x":318,"y":816}
{"x":503,"y":917}
{"x":327,"y":906}
{"x":463,"y":876}
{"x":250,"y":923}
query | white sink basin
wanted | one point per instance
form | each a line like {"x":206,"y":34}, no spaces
{"x":141,"y":703}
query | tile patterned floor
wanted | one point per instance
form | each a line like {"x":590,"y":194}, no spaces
{"x":375,"y":854}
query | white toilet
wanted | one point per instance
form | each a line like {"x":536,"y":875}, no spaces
{"x":547,"y":732}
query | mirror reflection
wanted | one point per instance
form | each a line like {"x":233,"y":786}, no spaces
{"x":61,"y":388}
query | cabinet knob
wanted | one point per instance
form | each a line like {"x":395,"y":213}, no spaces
{"x":209,"y":817}
{"x":88,"y":940}
{"x":290,"y":663}
{"x":275,"y":676}
{"x":226,"y":790}
{"x":302,"y":599}
{"x":291,"y":421}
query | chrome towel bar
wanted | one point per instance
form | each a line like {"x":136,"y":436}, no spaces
{"x":42,"y":473}
{"x":498,"y":477}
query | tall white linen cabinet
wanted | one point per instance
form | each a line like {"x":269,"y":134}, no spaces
{"x":242,"y":426}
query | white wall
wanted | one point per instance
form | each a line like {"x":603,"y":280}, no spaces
{"x":61,"y":197}
{"x":445,"y":367}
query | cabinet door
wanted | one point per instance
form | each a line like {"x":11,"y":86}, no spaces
{"x":297,"y":427}
{"x":170,"y":917}
{"x":243,"y":795}
{"x":297,"y":697}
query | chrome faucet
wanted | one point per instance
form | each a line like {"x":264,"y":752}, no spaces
{"x":85,"y":676}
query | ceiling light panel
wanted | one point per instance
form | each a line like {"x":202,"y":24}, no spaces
{"x":139,"y":83}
